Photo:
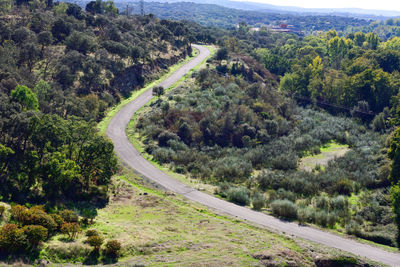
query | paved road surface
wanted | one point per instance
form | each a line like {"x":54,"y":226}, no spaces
{"x":125,"y":150}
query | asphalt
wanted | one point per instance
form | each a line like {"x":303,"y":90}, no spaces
{"x":116,"y":131}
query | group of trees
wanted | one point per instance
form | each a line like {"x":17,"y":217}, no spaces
{"x":45,"y":157}
{"x":233,"y":121}
{"x":337,"y":71}
{"x":61,"y":68}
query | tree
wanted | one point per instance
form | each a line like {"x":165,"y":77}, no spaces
{"x":102,"y":7}
{"x":25,"y":97}
{"x":70,"y":229}
{"x":45,"y":38}
{"x":222,"y":54}
{"x":372,"y":40}
{"x":80,"y":42}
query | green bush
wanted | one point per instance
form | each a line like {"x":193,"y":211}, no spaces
{"x":92,"y":232}
{"x":19,"y":213}
{"x":39,"y":217}
{"x":258,"y":201}
{"x":12,"y":239}
{"x":58,"y":220}
{"x":70,"y":229}
{"x":306,"y":215}
{"x":223,"y":189}
{"x":321,"y":218}
{"x":113,"y":248}
{"x":239,"y":195}
{"x":95,"y":241}
{"x":35,"y":234}
{"x":284,"y":208}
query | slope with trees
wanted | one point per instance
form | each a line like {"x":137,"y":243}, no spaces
{"x":229,"y":126}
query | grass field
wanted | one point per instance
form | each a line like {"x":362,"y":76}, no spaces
{"x":328,"y":152}
{"x":160,"y":229}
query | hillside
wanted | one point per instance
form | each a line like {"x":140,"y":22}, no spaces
{"x":215,"y":15}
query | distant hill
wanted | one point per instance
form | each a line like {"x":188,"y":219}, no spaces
{"x":347,"y":12}
{"x":216,"y":15}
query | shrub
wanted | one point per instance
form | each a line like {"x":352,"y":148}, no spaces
{"x":321,"y":218}
{"x":69,"y":216}
{"x":353,"y":228}
{"x":92,"y":232}
{"x":37,"y":216}
{"x":340,"y":205}
{"x":344,"y":187}
{"x":332,"y":219}
{"x":158,"y":91}
{"x":306,"y":215}
{"x":70,"y":229}
{"x":322,"y":202}
{"x":163,"y":155}
{"x":12,"y":239}
{"x":223,"y":189}
{"x":285,"y":162}
{"x":18,"y":213}
{"x":58,"y":220}
{"x":258,"y":201}
{"x":35,"y":234}
{"x":95,"y":241}
{"x":113,"y":248}
{"x":239,"y":195}
{"x":284,"y":208}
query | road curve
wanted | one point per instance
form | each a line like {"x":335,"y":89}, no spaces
{"x":127,"y":153}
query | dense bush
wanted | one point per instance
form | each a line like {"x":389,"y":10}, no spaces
{"x":95,"y":241}
{"x":284,"y":208}
{"x":239,"y":195}
{"x":70,"y":229}
{"x":35,"y":234}
{"x":113,"y":248}
{"x":258,"y":201}
{"x":12,"y":239}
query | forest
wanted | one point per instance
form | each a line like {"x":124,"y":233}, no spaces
{"x":266,"y":102}
{"x":61,"y":68}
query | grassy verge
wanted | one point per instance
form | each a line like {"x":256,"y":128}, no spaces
{"x":102,"y":126}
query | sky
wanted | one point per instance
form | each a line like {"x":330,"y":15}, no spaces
{"x":365,"y":4}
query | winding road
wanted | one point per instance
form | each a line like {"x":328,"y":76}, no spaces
{"x":128,"y":154}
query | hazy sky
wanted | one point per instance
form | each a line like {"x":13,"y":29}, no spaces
{"x":366,"y":4}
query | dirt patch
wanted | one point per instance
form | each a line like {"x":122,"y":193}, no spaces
{"x":328,"y":153}
{"x":283,"y":257}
